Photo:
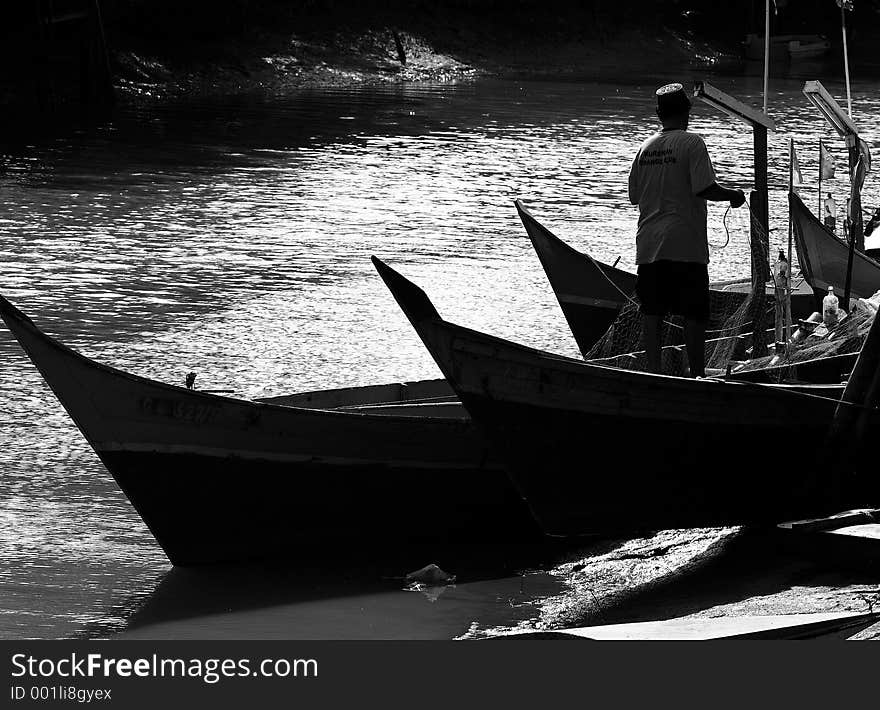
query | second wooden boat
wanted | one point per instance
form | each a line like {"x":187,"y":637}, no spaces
{"x":592,"y":293}
{"x":598,"y":450}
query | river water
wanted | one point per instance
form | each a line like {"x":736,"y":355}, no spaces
{"x":232,"y":237}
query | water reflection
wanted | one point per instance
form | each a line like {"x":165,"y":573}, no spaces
{"x":232,"y":238}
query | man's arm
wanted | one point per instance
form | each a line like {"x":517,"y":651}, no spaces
{"x":633,"y":182}
{"x":717,"y":193}
{"x":702,"y":173}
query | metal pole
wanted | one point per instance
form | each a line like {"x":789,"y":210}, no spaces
{"x":788,"y":332}
{"x":767,"y":52}
{"x":852,"y":143}
{"x":820,"y":213}
{"x":760,"y":242}
{"x":845,"y":59}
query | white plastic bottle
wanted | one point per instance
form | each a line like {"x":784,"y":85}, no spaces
{"x":830,"y":314}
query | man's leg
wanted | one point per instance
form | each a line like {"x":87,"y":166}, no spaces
{"x":651,"y":326}
{"x":695,"y":342}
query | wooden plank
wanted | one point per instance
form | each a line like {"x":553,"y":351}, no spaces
{"x":779,"y":626}
{"x":830,"y":522}
{"x":868,"y":531}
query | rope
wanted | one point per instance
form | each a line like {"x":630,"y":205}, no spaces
{"x":726,"y":230}
{"x":632,"y":302}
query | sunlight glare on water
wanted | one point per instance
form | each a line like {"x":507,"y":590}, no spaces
{"x":233,"y":238}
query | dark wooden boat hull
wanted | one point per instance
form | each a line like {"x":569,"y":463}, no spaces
{"x":601,"y":450}
{"x":221,"y":479}
{"x":592,"y":293}
{"x":206,"y":509}
{"x":823,"y":257}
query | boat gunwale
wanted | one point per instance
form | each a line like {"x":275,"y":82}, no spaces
{"x":9,"y":310}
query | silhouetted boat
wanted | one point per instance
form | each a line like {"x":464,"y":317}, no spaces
{"x":791,"y":46}
{"x":217,"y":478}
{"x":823,"y":257}
{"x":592,"y":293}
{"x":599,"y":450}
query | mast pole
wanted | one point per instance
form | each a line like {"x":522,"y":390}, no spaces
{"x":845,"y":58}
{"x":788,"y":332}
{"x":767,"y":52}
{"x":820,"y":213}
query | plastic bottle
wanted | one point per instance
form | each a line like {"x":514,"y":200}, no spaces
{"x":830,"y":314}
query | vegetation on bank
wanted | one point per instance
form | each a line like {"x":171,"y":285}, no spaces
{"x":162,"y":47}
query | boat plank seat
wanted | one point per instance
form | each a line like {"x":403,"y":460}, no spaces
{"x":372,"y":394}
{"x":777,"y":626}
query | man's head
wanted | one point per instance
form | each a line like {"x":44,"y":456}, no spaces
{"x":829,"y":195}
{"x":673,"y":106}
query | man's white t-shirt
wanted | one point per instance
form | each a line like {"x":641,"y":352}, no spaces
{"x":669,"y":170}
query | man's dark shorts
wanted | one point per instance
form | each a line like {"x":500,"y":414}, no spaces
{"x":677,"y":287}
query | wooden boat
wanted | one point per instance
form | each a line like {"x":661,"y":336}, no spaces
{"x":835,"y":624}
{"x":791,"y":46}
{"x":823,"y":257}
{"x":600,"y":450}
{"x":592,"y":293}
{"x":805,"y":48}
{"x":219,"y":479}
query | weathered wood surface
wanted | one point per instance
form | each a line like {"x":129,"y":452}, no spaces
{"x":779,"y":626}
{"x":676,"y":443}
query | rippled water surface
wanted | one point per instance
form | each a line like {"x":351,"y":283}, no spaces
{"x":233,"y":238}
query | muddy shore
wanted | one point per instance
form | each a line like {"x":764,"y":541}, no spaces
{"x":358,"y":56}
{"x":428,"y":44}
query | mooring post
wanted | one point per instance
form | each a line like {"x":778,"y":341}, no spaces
{"x":761,"y":123}
{"x":760,"y":227}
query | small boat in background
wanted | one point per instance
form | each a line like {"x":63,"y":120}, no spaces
{"x":787,"y":47}
{"x":808,"y":47}
{"x":823,"y":257}
{"x":219,"y":479}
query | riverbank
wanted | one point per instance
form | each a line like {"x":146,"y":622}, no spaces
{"x":279,"y":63}
{"x":161,"y":50}
{"x":278,"y":48}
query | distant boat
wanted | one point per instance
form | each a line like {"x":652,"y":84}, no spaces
{"x":597,"y":450}
{"x":592,"y":293}
{"x":786,"y":47}
{"x":322,"y":473}
{"x":823,"y":257}
{"x":810,"y":47}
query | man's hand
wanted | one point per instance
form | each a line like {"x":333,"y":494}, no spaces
{"x":737,"y":198}
{"x":718,"y":193}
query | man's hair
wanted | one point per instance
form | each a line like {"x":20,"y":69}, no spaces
{"x":664,"y":113}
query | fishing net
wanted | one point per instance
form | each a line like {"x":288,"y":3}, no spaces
{"x":734,"y":308}
{"x":815,"y":341}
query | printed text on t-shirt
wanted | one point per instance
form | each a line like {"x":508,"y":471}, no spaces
{"x":657,"y":157}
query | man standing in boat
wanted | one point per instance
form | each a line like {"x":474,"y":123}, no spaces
{"x":670,"y":180}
